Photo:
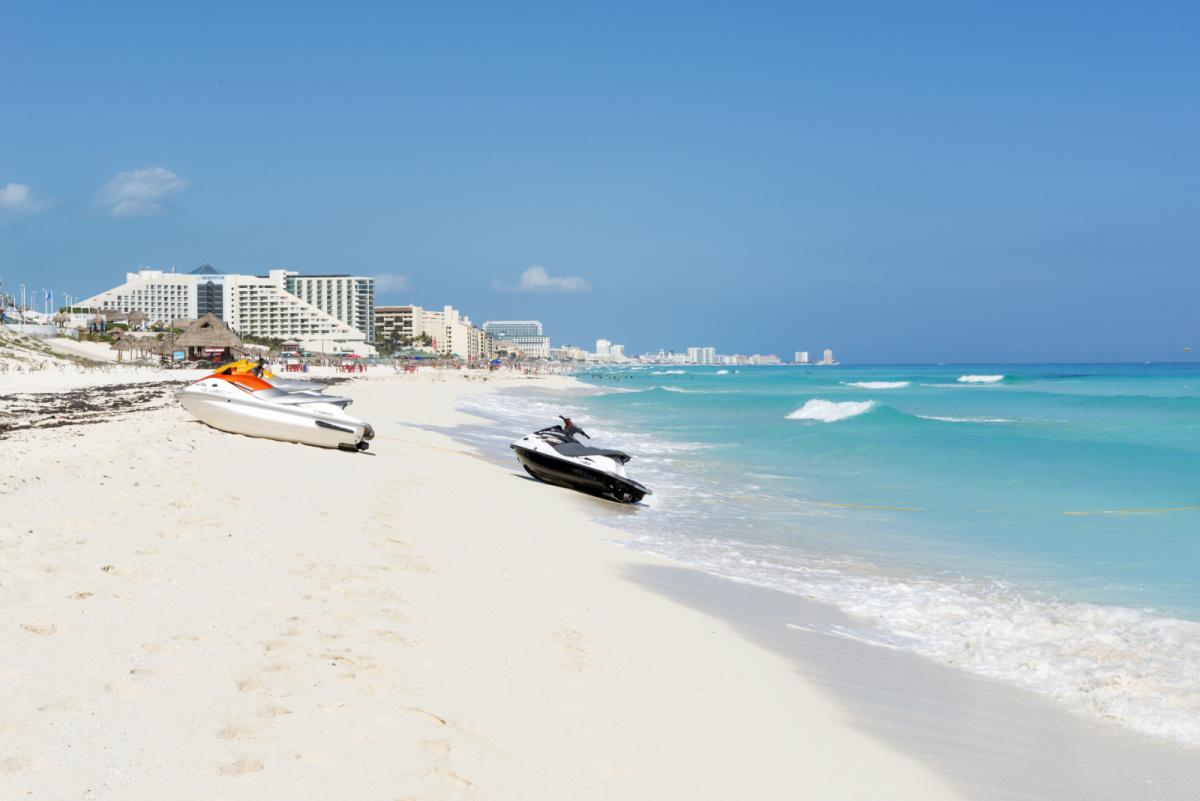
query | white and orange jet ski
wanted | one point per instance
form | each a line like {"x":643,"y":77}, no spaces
{"x":241,"y":403}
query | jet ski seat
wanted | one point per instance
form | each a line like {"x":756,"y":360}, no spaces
{"x":576,"y":449}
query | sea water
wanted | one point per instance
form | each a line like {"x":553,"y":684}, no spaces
{"x":1033,"y":523}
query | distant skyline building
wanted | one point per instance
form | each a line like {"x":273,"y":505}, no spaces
{"x":801,"y":357}
{"x":602,"y":347}
{"x":828,"y":357}
{"x":525,"y":334}
{"x":702,"y":355}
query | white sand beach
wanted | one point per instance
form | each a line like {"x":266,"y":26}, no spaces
{"x":193,"y":614}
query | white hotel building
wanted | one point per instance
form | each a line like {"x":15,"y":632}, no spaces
{"x":255,"y":305}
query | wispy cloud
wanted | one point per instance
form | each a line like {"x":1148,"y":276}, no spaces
{"x":536,"y":279}
{"x":387,"y":282}
{"x":139,"y":193}
{"x":17,"y":201}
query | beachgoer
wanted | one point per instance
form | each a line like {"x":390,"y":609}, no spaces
{"x":257,"y":370}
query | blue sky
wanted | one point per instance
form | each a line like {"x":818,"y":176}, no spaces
{"x":899,"y":182}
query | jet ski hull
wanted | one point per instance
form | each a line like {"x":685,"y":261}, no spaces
{"x":575,"y":476}
{"x":228,"y":406}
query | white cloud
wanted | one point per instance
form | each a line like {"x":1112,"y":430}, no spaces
{"x":387,"y":282}
{"x":139,"y":193}
{"x":536,"y":279}
{"x":16,"y":199}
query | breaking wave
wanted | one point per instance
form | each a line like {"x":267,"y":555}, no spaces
{"x":830,"y":411}
{"x":980,"y":379}
{"x":877,"y":384}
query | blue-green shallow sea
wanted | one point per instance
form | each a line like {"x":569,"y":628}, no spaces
{"x":1015,"y":545}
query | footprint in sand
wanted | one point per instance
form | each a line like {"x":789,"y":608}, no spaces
{"x":242,"y":766}
{"x":44,"y":629}
{"x":572,"y":642}
{"x":16,"y":764}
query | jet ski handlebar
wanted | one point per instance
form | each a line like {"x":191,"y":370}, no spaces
{"x":571,"y":428}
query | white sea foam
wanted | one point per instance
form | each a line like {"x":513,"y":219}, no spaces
{"x":968,"y":419}
{"x":702,"y":391}
{"x":830,"y":411}
{"x":722,"y":372}
{"x":668,"y":372}
{"x":980,"y":379}
{"x":1109,"y":662}
{"x":877,"y":384}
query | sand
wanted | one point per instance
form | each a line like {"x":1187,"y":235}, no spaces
{"x":192,"y":614}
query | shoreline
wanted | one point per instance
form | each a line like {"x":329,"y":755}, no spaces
{"x":189,"y":610}
{"x":918,"y":704}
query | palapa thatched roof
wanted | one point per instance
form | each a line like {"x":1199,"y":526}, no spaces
{"x":158,"y":324}
{"x":98,"y":318}
{"x":61,"y":318}
{"x":163,"y":348}
{"x":137,"y":316}
{"x":208,"y":332}
{"x":113,"y":314}
{"x":183,"y":323}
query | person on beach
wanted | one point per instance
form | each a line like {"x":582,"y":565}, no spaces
{"x":257,"y":370}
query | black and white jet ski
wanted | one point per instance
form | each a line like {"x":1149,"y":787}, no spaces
{"x":554,"y":455}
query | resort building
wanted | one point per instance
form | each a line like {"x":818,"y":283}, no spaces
{"x":567,"y":353}
{"x":451,"y":333}
{"x":525,"y":334}
{"x":260,"y":306}
{"x":350,"y":299}
{"x":702,"y":355}
{"x":801,"y":357}
{"x":400,"y":322}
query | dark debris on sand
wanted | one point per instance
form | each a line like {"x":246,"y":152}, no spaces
{"x":25,"y":411}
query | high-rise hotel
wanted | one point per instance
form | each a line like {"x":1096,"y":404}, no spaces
{"x":325,"y":313}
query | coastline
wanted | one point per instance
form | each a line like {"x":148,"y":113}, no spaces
{"x":188,"y":610}
{"x":993,"y":739}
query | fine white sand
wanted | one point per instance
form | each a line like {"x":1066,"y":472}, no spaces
{"x":192,"y":614}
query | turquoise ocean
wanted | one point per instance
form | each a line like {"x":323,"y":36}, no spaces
{"x":1033,"y":523}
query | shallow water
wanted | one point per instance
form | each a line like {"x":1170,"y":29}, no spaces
{"x":981,"y":516}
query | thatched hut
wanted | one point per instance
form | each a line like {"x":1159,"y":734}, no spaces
{"x":138,"y":318}
{"x":113,"y":315}
{"x":98,"y":322}
{"x":208,"y":338}
{"x":183,"y":323}
{"x":61,"y":319}
{"x":122,"y":345}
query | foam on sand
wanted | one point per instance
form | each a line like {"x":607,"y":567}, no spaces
{"x":826,"y":411}
{"x":980,"y":379}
